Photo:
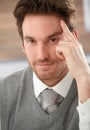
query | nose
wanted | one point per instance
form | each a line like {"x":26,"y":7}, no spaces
{"x":42,"y":51}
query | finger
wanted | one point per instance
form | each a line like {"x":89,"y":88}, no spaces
{"x":59,"y":54}
{"x":66,"y":31}
{"x":59,"y":51}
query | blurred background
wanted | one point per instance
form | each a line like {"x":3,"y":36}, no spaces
{"x":11,"y":55}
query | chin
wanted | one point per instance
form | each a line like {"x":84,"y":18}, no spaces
{"x":46,"y":75}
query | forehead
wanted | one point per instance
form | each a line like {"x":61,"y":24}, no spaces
{"x":34,"y":25}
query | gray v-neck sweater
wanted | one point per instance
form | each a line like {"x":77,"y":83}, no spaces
{"x":21,"y":111}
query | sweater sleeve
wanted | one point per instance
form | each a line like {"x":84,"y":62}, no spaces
{"x":1,"y":82}
{"x":0,"y":99}
{"x":84,"y":115}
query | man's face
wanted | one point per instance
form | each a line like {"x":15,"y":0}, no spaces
{"x":41,"y":35}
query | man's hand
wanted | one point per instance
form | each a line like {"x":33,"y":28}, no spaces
{"x":72,"y":52}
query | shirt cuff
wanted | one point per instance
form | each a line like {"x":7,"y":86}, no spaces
{"x":84,"y":115}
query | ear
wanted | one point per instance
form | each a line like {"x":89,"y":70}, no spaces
{"x":75,"y":34}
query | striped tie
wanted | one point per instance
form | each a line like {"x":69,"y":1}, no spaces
{"x":49,"y":100}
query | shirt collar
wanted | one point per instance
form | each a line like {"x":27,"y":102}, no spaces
{"x":61,"y":88}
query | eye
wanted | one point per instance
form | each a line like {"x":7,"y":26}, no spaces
{"x":53,"y":40}
{"x":30,"y":41}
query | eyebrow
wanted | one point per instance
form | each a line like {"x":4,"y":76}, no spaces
{"x":54,"y":34}
{"x":48,"y":37}
{"x":28,"y":37}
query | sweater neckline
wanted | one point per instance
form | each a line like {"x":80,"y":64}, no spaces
{"x":66,"y":102}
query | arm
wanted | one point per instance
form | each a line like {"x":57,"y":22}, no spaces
{"x":70,"y":50}
{"x":74,"y":56}
{"x":84,"y":115}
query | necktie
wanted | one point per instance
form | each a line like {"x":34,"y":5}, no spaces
{"x":49,"y":100}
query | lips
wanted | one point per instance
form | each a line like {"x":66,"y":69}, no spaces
{"x":45,"y":64}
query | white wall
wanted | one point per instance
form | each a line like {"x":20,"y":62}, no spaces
{"x":9,"y":67}
{"x":86,"y":7}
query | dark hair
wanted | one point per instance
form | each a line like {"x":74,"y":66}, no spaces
{"x":60,"y":8}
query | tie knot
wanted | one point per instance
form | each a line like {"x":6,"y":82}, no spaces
{"x":49,"y":100}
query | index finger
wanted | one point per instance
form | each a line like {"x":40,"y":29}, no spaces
{"x":66,"y":31}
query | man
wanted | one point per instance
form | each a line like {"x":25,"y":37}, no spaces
{"x":57,"y":65}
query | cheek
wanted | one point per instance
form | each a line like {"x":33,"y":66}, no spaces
{"x":30,"y":53}
{"x":53,"y":51}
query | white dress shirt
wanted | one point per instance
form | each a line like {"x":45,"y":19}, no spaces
{"x":62,"y":88}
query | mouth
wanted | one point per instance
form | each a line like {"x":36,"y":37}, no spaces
{"x":44,"y":65}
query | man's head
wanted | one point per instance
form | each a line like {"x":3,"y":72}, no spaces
{"x":60,"y":8}
{"x":38,"y":24}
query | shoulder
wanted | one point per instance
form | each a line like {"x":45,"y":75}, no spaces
{"x":11,"y":85}
{"x":16,"y":76}
{"x":10,"y":89}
